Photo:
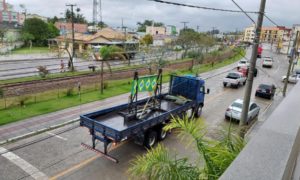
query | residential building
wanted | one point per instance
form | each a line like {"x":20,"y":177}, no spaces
{"x":275,"y":34}
{"x":249,"y":34}
{"x":8,"y":14}
{"x":161,"y":40}
{"x":83,"y":42}
{"x":29,"y":16}
{"x":152,"y":30}
{"x":171,"y":30}
{"x":66,"y":28}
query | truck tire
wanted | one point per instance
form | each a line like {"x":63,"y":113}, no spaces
{"x":161,"y":134}
{"x":150,"y":139}
{"x":198,"y":111}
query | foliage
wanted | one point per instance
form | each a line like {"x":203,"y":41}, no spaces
{"x":70,"y":92}
{"x":2,"y":34}
{"x":142,"y":25}
{"x":22,"y":100}
{"x":147,"y":40}
{"x":52,"y":30}
{"x":53,"y":20}
{"x":43,"y":71}
{"x":37,"y":31}
{"x":216,"y":154}
{"x":78,"y":18}
{"x":27,"y":38}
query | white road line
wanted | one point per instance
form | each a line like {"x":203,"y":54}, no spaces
{"x":24,"y":165}
{"x":57,"y":136}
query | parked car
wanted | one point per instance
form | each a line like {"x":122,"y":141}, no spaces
{"x":267,"y":62}
{"x":292,"y":79}
{"x":243,"y":62}
{"x":234,"y":79}
{"x":234,"y":111}
{"x":266,"y":91}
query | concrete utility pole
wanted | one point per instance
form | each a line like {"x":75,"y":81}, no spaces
{"x":291,"y":61}
{"x":184,"y":24}
{"x":247,"y":96}
{"x":73,"y":36}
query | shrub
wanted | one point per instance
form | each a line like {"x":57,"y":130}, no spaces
{"x":70,"y":92}
{"x":22,"y":100}
{"x":43,"y":71}
{"x":105,"y":85}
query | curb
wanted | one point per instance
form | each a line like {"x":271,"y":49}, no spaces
{"x":33,"y":133}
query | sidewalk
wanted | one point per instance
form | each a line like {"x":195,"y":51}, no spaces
{"x":51,"y":119}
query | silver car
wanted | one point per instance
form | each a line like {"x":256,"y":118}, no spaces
{"x":234,"y":111}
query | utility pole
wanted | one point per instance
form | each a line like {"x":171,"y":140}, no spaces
{"x":73,"y":35}
{"x":198,"y":27}
{"x":291,"y":61}
{"x":213,"y":31}
{"x":247,"y":96}
{"x":184,"y":24}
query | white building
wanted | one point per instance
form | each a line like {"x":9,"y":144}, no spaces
{"x":249,"y":34}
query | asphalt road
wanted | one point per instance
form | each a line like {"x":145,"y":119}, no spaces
{"x":58,"y":154}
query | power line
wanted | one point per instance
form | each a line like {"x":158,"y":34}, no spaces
{"x":203,"y":7}
{"x":271,"y":20}
{"x":243,"y":11}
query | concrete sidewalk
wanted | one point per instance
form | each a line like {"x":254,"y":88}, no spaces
{"x":45,"y":121}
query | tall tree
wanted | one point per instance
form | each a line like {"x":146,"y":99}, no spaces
{"x":78,"y":18}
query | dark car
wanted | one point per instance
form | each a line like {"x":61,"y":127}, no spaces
{"x":265,"y":91}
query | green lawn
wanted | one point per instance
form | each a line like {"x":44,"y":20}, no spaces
{"x":114,"y":88}
{"x":33,"y":50}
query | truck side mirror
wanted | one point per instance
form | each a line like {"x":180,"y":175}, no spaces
{"x":208,"y":91}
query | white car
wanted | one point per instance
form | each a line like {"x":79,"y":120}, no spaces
{"x":234,"y":111}
{"x":267,"y":62}
{"x":243,"y":62}
{"x":235,"y":79}
{"x":292,"y":79}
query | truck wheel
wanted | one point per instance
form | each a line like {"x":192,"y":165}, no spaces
{"x":189,"y":113}
{"x":150,"y":139}
{"x":161,"y":134}
{"x":198,"y":111}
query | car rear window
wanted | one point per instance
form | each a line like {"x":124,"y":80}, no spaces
{"x":232,"y":76}
{"x":268,"y":60}
{"x":238,"y":105}
{"x":264,"y":86}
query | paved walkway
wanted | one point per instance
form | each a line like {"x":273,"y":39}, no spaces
{"x":47,"y":120}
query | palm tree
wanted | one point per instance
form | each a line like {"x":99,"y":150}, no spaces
{"x":106,"y":54}
{"x":217,"y":155}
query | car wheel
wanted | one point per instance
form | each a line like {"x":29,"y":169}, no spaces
{"x":161,"y":134}
{"x":198,"y":111}
{"x":150,"y":139}
{"x":256,"y":94}
{"x":244,"y":83}
{"x":224,"y":84}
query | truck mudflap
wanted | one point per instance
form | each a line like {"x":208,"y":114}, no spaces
{"x":100,"y":152}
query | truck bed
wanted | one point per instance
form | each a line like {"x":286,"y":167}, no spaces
{"x":110,"y":123}
{"x":115,"y":120}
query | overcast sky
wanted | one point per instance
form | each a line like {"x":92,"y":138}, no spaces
{"x":283,"y":12}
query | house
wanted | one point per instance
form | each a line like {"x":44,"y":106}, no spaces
{"x":84,"y":42}
{"x":249,"y":34}
{"x":152,"y":30}
{"x":161,"y":40}
{"x":66,"y":27}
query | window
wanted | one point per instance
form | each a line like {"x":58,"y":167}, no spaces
{"x":253,"y":106}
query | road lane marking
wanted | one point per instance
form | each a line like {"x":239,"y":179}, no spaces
{"x":57,"y":136}
{"x":24,"y":165}
{"x":83,"y":163}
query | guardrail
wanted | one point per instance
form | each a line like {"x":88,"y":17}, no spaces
{"x":272,"y":152}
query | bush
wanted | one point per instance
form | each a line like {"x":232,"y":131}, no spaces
{"x":70,"y":92}
{"x":105,"y":85}
{"x":43,"y":71}
{"x":22,"y":100}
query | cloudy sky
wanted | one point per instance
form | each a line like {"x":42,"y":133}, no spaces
{"x":283,"y":12}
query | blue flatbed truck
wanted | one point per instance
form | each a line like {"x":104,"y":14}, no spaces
{"x":143,"y":120}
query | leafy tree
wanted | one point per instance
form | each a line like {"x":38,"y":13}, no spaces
{"x":108,"y":53}
{"x":53,"y":31}
{"x":38,"y":29}
{"x":78,"y":18}
{"x":147,"y":40}
{"x":27,"y":38}
{"x":2,"y":34}
{"x":217,"y":155}
{"x":142,"y":25}
{"x":53,"y":20}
